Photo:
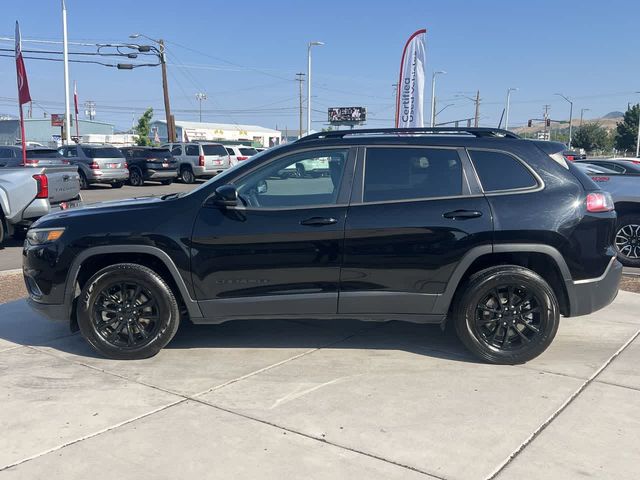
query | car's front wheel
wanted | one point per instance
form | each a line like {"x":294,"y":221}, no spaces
{"x":135,"y":177}
{"x":506,"y":314}
{"x":627,"y":240}
{"x":127,"y":311}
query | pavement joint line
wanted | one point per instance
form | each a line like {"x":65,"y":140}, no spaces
{"x":319,"y":439}
{"x":8,"y":349}
{"x":93,"y":434}
{"x":613,"y":384}
{"x":560,"y":409}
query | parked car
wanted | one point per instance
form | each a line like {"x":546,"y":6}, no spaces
{"x":477,"y":227}
{"x":573,"y":155}
{"x":146,"y":163}
{"x":625,"y":191}
{"x":11,"y":156}
{"x":240,"y":153}
{"x":97,"y":163}
{"x":626,"y":166}
{"x":199,"y":159}
{"x":28,"y":193}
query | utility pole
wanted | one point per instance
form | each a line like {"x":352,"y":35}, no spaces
{"x":546,"y":117}
{"x":477,"y":116}
{"x":200,"y":97}
{"x":30,"y":110}
{"x":570,"y":114}
{"x":433,"y":95}
{"x":65,"y":62}
{"x":171,"y":133}
{"x":582,"y":110}
{"x":300,"y":80}
{"x":90,"y":109}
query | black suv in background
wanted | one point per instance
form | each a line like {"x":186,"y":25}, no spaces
{"x":496,"y":234}
{"x":147,"y":163}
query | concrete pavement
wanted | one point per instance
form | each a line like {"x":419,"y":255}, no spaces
{"x":320,"y":399}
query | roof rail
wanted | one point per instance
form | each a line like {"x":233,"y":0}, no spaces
{"x":479,"y":132}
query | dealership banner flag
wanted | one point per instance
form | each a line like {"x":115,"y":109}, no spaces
{"x":23,"y":89}
{"x":410,"y":99}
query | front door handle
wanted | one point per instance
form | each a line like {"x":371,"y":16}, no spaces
{"x":319,"y":221}
{"x":462,"y":214}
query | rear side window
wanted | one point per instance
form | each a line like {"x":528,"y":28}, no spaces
{"x":177,"y":150}
{"x":102,"y":152}
{"x":230,"y":151}
{"x":498,"y":171}
{"x":411,"y":173}
{"x":214,"y":150}
{"x":248,"y":151}
{"x":192,"y":150}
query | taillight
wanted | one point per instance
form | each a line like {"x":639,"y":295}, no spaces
{"x":599,"y":202}
{"x":43,"y":185}
{"x":201,"y":160}
{"x":126,"y":165}
{"x":94,"y":166}
{"x":571,"y":158}
{"x":242,"y":158}
{"x":31,"y":162}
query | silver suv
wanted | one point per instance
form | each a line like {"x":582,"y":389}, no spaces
{"x":199,"y":159}
{"x":97,"y":163}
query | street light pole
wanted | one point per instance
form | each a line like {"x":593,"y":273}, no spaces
{"x":638,"y":138}
{"x":506,"y":117}
{"x":582,"y":110}
{"x":300,"y":80}
{"x":570,"y":115}
{"x":171,"y":134}
{"x":65,"y":58}
{"x":200,"y":97}
{"x":442,"y":110}
{"x":310,"y":44}
{"x":433,"y":96}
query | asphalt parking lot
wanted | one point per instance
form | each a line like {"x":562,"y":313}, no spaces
{"x":320,"y":399}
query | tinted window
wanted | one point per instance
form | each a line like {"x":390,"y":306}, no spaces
{"x":612,"y":166}
{"x":410,"y":173}
{"x":499,"y":171}
{"x":102,"y":152}
{"x":43,"y":153}
{"x":70,"y":152}
{"x":177,"y":150}
{"x":230,"y":151}
{"x":283,"y":184}
{"x":192,"y":150}
{"x":248,"y":151}
{"x":6,"y":153}
{"x":214,"y":150}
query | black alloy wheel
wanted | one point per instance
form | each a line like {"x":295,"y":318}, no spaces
{"x":627,"y":241}
{"x":506,"y":314}
{"x":127,"y":311}
{"x":135,"y":177}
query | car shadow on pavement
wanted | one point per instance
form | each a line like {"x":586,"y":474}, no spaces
{"x":20,"y":326}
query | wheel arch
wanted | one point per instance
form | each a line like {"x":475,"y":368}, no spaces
{"x":545,"y":260}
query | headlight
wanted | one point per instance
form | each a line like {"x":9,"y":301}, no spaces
{"x":38,"y":236}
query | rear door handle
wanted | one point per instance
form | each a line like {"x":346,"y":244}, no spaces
{"x":319,"y":221}
{"x":462,"y":214}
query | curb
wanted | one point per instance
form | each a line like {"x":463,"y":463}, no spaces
{"x":5,"y":273}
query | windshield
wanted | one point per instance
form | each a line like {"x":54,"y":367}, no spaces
{"x":43,"y":153}
{"x":230,"y":171}
{"x":214,"y":150}
{"x":102,"y":152}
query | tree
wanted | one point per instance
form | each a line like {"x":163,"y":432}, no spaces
{"x":591,"y":136}
{"x":143,"y":129}
{"x":627,"y":130}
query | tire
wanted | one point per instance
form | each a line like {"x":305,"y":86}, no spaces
{"x":187,"y":176}
{"x":528,"y":311}
{"x":2,"y":230}
{"x":627,"y":240}
{"x":111,"y":334}
{"x":167,"y":182}
{"x":135,"y":177}
{"x":84,"y":183}
{"x":117,"y":184}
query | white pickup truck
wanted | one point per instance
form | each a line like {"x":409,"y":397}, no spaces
{"x":28,"y":193}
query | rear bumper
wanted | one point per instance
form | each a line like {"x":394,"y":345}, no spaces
{"x":106,"y":176}
{"x":161,"y":174}
{"x":588,"y":296}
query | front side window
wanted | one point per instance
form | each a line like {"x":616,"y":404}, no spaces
{"x":393,"y":174}
{"x":499,"y":171}
{"x":283,"y":184}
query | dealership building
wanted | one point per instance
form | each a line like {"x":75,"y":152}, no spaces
{"x":220,"y":132}
{"x":42,"y":131}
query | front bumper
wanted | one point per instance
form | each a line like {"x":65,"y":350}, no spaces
{"x":58,"y":313}
{"x":588,"y":296}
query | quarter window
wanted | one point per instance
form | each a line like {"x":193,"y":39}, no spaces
{"x":177,"y":150}
{"x":411,"y":173}
{"x":299,"y":180}
{"x":499,"y":171}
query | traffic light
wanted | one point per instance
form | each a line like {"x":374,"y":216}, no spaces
{"x":530,"y":123}
{"x":548,"y":122}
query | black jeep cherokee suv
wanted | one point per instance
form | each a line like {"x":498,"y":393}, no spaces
{"x":496,"y":234}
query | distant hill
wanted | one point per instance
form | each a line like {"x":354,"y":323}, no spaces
{"x":608,"y":121}
{"x":614,"y":114}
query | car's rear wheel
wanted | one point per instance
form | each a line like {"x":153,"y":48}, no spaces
{"x":506,"y":314}
{"x":187,"y":176}
{"x":135,"y":177}
{"x":127,"y":311}
{"x":627,"y":240}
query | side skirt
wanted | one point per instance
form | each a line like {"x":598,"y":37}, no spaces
{"x":385,"y":317}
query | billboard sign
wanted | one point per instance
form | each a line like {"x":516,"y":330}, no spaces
{"x":347,"y":115}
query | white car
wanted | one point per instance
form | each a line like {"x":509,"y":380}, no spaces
{"x":238,"y":153}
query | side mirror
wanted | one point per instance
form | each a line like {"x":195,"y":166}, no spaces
{"x":226,"y":196}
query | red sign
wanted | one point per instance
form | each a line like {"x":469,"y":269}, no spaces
{"x":57,"y":120}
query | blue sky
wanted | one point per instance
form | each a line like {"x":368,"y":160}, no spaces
{"x":244,"y":55}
